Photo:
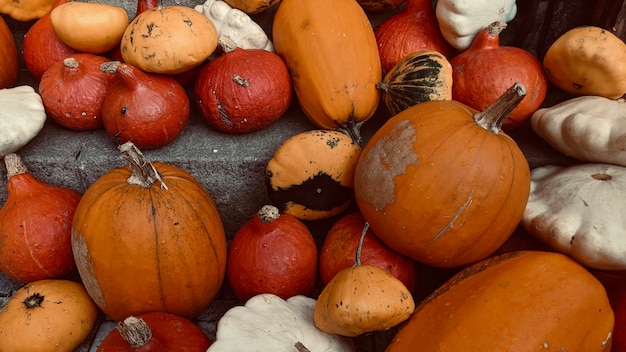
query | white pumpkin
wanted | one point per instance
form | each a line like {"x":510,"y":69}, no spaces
{"x":460,"y":20}
{"x":580,"y":211}
{"x":269,"y":323}
{"x":587,"y":128}
{"x":22,"y":117}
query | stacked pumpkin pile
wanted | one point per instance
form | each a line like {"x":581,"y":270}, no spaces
{"x":439,"y":184}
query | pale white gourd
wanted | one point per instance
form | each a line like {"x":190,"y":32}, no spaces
{"x":235,"y":25}
{"x":460,"y":20}
{"x":587,"y":128}
{"x":269,"y":323}
{"x":579,"y":211}
{"x":22,"y":117}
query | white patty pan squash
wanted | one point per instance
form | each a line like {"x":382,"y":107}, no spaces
{"x":235,"y":25}
{"x":460,"y":20}
{"x":580,"y":211}
{"x":587,"y":128}
{"x":269,"y":323}
{"x":22,"y":116}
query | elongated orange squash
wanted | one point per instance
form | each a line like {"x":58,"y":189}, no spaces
{"x":330,"y":49}
{"x":518,"y":301}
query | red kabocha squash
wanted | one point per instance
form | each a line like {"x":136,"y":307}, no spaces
{"x":415,"y":28}
{"x":155,"y":331}
{"x":73,"y":91}
{"x":486,"y":69}
{"x":149,"y":110}
{"x":243,"y":90}
{"x":35,"y":226}
{"x":148,"y":237}
{"x":519,"y":301}
{"x":442,"y":184}
{"x":9,"y":59}
{"x":272,"y":253}
{"x":42,"y":47}
{"x":341,"y":243}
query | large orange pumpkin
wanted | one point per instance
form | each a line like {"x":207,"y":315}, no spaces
{"x":9,"y":59}
{"x":519,"y":301}
{"x":440,"y":183}
{"x":330,"y":49}
{"x":148,"y":237}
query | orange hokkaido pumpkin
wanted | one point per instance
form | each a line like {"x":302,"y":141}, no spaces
{"x":9,"y":59}
{"x":440,"y":183}
{"x":519,"y":301}
{"x":148,"y":237}
{"x":331,"y":52}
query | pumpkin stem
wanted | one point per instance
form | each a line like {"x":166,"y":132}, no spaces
{"x":301,"y":348}
{"x":70,"y":62}
{"x":352,"y":129}
{"x":226,"y":44}
{"x":14,"y":165}
{"x":496,"y":28}
{"x":495,"y":114}
{"x":268,"y":213}
{"x":142,"y":172}
{"x":135,"y":331}
{"x":357,"y":260}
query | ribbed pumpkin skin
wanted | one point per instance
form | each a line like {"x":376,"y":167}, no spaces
{"x":520,"y":301}
{"x":330,"y":49}
{"x":9,"y":60}
{"x":156,"y":249}
{"x":440,"y":189}
{"x":418,"y":77}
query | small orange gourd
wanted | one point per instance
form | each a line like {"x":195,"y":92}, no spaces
{"x":148,"y":237}
{"x":330,"y":49}
{"x":518,"y":301}
{"x":363,"y":298}
{"x":168,"y":39}
{"x":25,"y":10}
{"x":51,"y":315}
{"x":9,"y":59}
{"x":440,"y":183}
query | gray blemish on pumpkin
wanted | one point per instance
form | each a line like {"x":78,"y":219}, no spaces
{"x":388,"y":158}
{"x":86,"y":269}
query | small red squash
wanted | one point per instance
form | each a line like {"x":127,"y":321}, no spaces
{"x":272,"y":253}
{"x":155,"y":331}
{"x":415,"y":28}
{"x":440,"y":183}
{"x":35,"y":225}
{"x":243,"y":90}
{"x":341,"y":243}
{"x":9,"y":59}
{"x":73,"y":91}
{"x":148,"y":237}
{"x":147,"y":109}
{"x":42,"y":47}
{"x":486,"y":69}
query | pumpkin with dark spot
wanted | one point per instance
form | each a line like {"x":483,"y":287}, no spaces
{"x":440,"y":183}
{"x":310,"y":175}
{"x":420,"y":76}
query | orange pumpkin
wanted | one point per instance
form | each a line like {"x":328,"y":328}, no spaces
{"x":25,"y":10}
{"x":330,"y":49}
{"x":519,"y":301}
{"x":148,"y":237}
{"x":9,"y":60}
{"x":440,"y":183}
